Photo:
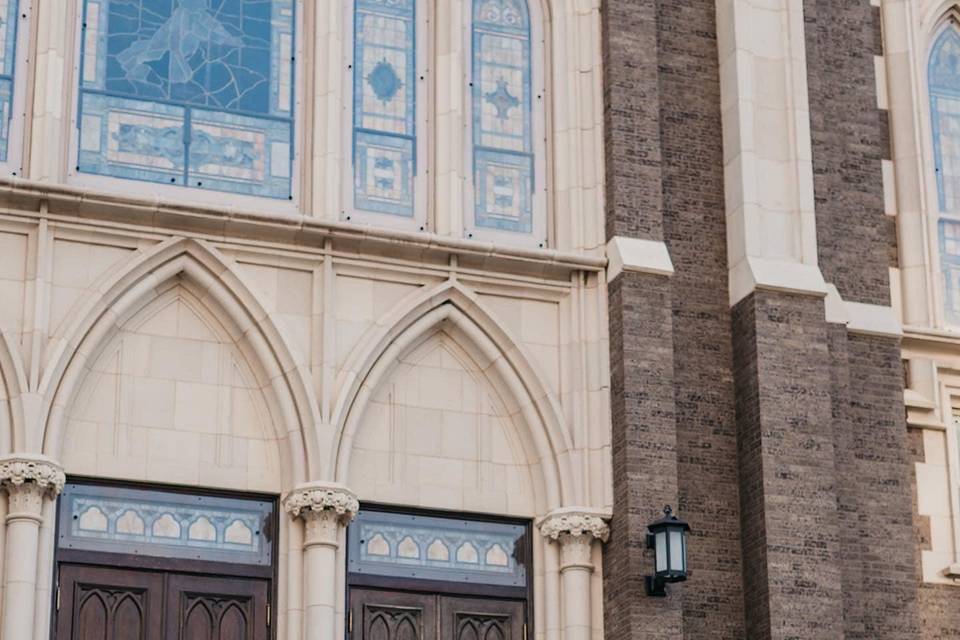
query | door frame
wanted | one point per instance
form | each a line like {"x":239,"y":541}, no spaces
{"x":136,"y":562}
{"x":522,"y":594}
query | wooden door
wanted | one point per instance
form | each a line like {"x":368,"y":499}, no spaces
{"x":109,"y":604}
{"x":476,"y":619}
{"x":389,"y":615}
{"x":204,"y":608}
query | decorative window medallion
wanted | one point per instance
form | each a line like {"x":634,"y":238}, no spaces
{"x":436,"y":548}
{"x":166,"y":524}
{"x":384,"y":86}
{"x":196,"y":93}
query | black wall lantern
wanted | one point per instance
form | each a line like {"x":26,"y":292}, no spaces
{"x":668,"y":538}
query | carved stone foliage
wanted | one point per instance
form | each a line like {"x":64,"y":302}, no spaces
{"x":324,"y":509}
{"x":19,"y":470}
{"x":316,"y":497}
{"x":28,"y":480}
{"x":575,"y":522}
{"x":575,"y":530}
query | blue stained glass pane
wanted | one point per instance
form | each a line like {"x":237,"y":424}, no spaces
{"x":944,"y":82}
{"x":438,"y":548}
{"x":8,"y":50}
{"x":225,"y":65}
{"x":384,"y":106}
{"x":502,"y":103}
{"x":162,"y":524}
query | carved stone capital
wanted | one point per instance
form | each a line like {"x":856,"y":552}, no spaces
{"x":575,"y":522}
{"x":575,"y":530}
{"x":324,"y":508}
{"x":28,"y":480}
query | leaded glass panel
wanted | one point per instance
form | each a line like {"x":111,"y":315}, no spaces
{"x":502,"y":104}
{"x":8,"y":53}
{"x":944,"y":82}
{"x":384,"y":106}
{"x":436,"y":548}
{"x":193,"y":93}
{"x":166,"y":525}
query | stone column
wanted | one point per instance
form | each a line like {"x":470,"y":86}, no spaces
{"x":575,"y":530}
{"x":325,"y":508}
{"x":29,"y":481}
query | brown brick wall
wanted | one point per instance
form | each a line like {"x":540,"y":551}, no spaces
{"x":791,"y":544}
{"x":695,"y":233}
{"x":849,"y":140}
{"x":644,"y":453}
{"x":631,"y":103}
{"x":873,"y":466}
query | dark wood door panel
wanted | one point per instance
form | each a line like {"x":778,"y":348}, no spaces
{"x":386,"y":615}
{"x":206,"y":608}
{"x":476,"y":619}
{"x":98,"y":603}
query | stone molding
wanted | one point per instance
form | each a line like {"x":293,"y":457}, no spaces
{"x":28,"y":480}
{"x":58,"y":200}
{"x":637,"y":255}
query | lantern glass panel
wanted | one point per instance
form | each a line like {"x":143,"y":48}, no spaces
{"x":677,"y":560}
{"x":660,"y":544}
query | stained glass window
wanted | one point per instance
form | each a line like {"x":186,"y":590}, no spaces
{"x":166,"y":525}
{"x":944,"y":83}
{"x":384,"y":106}
{"x":438,"y":548}
{"x":196,"y":93}
{"x":8,"y":54}
{"x":502,"y":104}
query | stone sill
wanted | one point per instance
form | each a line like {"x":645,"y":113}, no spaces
{"x":42,"y":199}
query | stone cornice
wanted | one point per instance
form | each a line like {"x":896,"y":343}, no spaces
{"x":575,"y":522}
{"x":322,"y":497}
{"x":17,"y":470}
{"x":42,"y":199}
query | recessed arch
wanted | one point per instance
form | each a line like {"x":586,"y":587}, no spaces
{"x":456,"y":310}
{"x":215,"y":283}
{"x":14,"y":381}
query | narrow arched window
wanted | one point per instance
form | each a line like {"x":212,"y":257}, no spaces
{"x":506,"y":124}
{"x":385,"y":148}
{"x":944,"y":86}
{"x":13,"y":35}
{"x":189,"y":93}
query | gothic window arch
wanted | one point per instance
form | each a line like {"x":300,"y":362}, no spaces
{"x":943,"y":79}
{"x":506,"y":200}
{"x":386,"y":96}
{"x":189,"y":93}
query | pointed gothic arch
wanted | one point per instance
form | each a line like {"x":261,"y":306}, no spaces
{"x":222,"y":288}
{"x":14,"y":380}
{"x":452,"y":306}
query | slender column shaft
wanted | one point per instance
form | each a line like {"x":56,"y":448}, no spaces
{"x":325,"y":510}
{"x":575,"y":530}
{"x":28,"y":481}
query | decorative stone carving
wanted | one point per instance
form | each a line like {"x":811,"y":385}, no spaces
{"x":324,"y":509}
{"x":575,"y":530}
{"x":16,"y":470}
{"x":28,"y":480}
{"x":575,"y":522}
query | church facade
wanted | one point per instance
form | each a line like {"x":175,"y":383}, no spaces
{"x":395,"y":319}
